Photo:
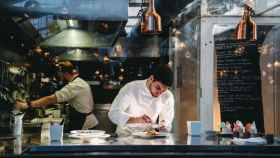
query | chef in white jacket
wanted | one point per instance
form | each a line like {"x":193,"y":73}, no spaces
{"x":145,"y":101}
{"x":76,"y":92}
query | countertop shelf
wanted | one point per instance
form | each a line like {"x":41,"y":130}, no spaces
{"x":30,"y":145}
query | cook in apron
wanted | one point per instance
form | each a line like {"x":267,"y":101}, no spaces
{"x":76,"y":119}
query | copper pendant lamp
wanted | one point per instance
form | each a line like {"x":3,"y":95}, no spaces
{"x":151,"y":20}
{"x":247,"y":28}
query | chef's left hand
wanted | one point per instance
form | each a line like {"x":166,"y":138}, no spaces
{"x":162,"y":126}
{"x":162,"y":129}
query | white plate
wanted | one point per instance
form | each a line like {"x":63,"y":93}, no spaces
{"x":141,"y":126}
{"x":145,"y":135}
{"x":278,"y":139}
{"x":80,"y":136}
{"x":87,"y":132}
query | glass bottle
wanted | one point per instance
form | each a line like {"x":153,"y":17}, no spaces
{"x":247,"y":28}
{"x":151,"y":22}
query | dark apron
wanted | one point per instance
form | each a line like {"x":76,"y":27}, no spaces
{"x":76,"y":119}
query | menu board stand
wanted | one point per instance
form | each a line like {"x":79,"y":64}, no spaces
{"x":239,"y":81}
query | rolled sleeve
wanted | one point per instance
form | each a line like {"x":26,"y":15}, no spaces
{"x":67,"y":92}
{"x":121,"y":103}
{"x":167,"y":113}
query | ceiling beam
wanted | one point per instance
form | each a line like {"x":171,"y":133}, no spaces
{"x":138,"y":3}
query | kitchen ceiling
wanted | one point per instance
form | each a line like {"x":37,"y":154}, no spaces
{"x":50,"y":20}
{"x":70,"y":23}
{"x":109,"y":10}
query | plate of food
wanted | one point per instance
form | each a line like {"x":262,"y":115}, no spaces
{"x":83,"y":135}
{"x":141,"y":127}
{"x":150,"y":134}
{"x":85,"y":132}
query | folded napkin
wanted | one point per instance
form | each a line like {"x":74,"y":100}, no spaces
{"x":193,"y":127}
{"x":249,"y":141}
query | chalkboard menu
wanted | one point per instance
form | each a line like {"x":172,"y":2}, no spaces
{"x":239,"y":81}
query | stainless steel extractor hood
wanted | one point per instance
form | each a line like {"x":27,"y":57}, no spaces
{"x":78,"y":55}
{"x":77,"y":38}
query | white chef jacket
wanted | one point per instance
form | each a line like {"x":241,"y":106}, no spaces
{"x":78,"y":94}
{"x":135,"y":100}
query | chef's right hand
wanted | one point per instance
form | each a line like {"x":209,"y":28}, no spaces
{"x":141,"y":119}
{"x":20,"y":105}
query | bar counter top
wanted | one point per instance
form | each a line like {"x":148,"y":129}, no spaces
{"x":31,"y":145}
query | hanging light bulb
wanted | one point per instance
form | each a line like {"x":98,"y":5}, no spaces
{"x":151,"y":20}
{"x":247,"y":28}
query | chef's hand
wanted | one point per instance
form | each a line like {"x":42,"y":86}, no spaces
{"x":146,"y":118}
{"x":21,"y":105}
{"x":141,"y":119}
{"x":162,"y":126}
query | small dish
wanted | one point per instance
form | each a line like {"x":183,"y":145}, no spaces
{"x":87,"y":132}
{"x":147,"y":136}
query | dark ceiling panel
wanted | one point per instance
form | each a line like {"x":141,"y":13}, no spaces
{"x":110,"y":10}
{"x":13,"y":36}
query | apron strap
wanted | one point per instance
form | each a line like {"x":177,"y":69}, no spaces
{"x":76,"y":119}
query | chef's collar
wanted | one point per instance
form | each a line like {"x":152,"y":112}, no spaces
{"x":74,"y":78}
{"x":146,"y":89}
